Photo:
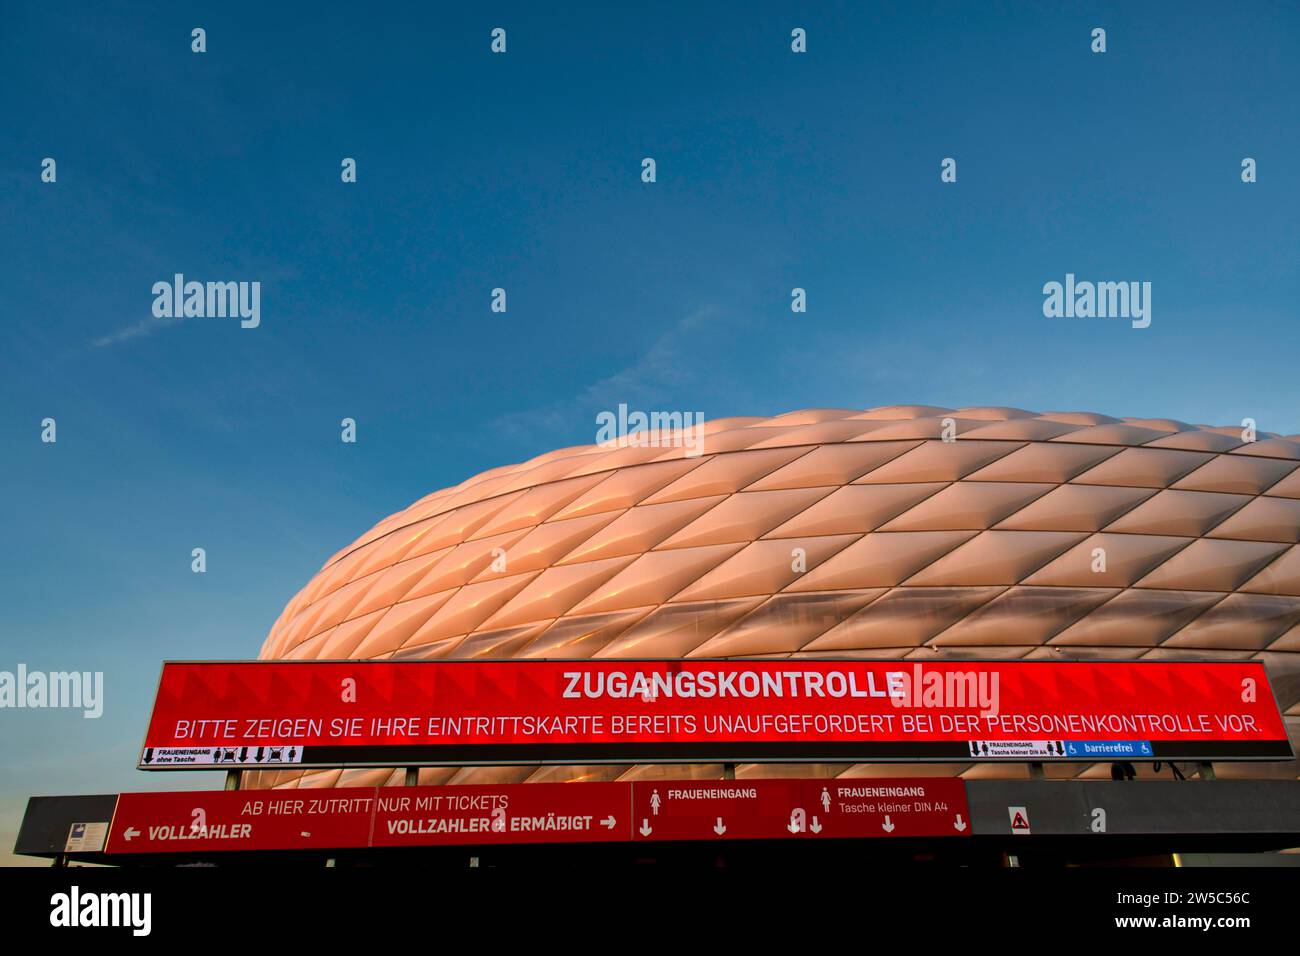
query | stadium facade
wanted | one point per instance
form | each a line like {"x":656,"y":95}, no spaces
{"x":904,"y":532}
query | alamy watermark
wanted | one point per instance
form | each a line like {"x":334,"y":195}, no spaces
{"x":1102,"y":300}
{"x":73,"y":690}
{"x":206,"y":300}
{"x":635,"y":429}
{"x":75,"y":908}
{"x":947,"y":689}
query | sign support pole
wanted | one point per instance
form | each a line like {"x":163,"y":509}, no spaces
{"x":412,"y":776}
{"x":234,"y":778}
{"x":1207,"y":770}
{"x":728,"y":771}
{"x":1036,"y":772}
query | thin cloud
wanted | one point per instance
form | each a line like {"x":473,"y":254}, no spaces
{"x":659,"y":371}
{"x":141,"y":329}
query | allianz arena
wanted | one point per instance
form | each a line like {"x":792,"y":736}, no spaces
{"x":836,"y":533}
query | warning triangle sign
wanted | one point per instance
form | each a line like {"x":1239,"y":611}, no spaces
{"x":1019,"y":819}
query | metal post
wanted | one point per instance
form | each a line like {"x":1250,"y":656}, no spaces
{"x":412,"y":776}
{"x":233,"y":779}
{"x":1036,"y":772}
{"x":728,"y":771}
{"x":1207,"y":770}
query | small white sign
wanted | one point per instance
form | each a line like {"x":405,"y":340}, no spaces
{"x":86,"y":837}
{"x":1015,"y":749}
{"x":219,"y":756}
{"x":1019,"y":820}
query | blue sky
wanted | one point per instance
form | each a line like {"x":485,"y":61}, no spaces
{"x":522,"y":171}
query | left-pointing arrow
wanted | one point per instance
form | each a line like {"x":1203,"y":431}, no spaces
{"x":130,"y":833}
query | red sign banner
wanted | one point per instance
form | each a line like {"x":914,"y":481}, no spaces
{"x":224,"y":821}
{"x":508,"y":813}
{"x":199,"y":821}
{"x":408,"y":713}
{"x":770,"y":809}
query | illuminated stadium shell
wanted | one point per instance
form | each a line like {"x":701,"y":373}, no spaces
{"x":986,"y":546}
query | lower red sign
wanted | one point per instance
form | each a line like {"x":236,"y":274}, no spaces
{"x":201,"y":821}
{"x":509,"y":813}
{"x":773,"y":809}
{"x":253,"y":820}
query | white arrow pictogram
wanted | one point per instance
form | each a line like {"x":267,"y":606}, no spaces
{"x":131,"y":833}
{"x":646,"y":829}
{"x":719,"y":828}
{"x":960,"y":825}
{"x":815,"y":826}
{"x":887,"y":826}
{"x":608,"y":822}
